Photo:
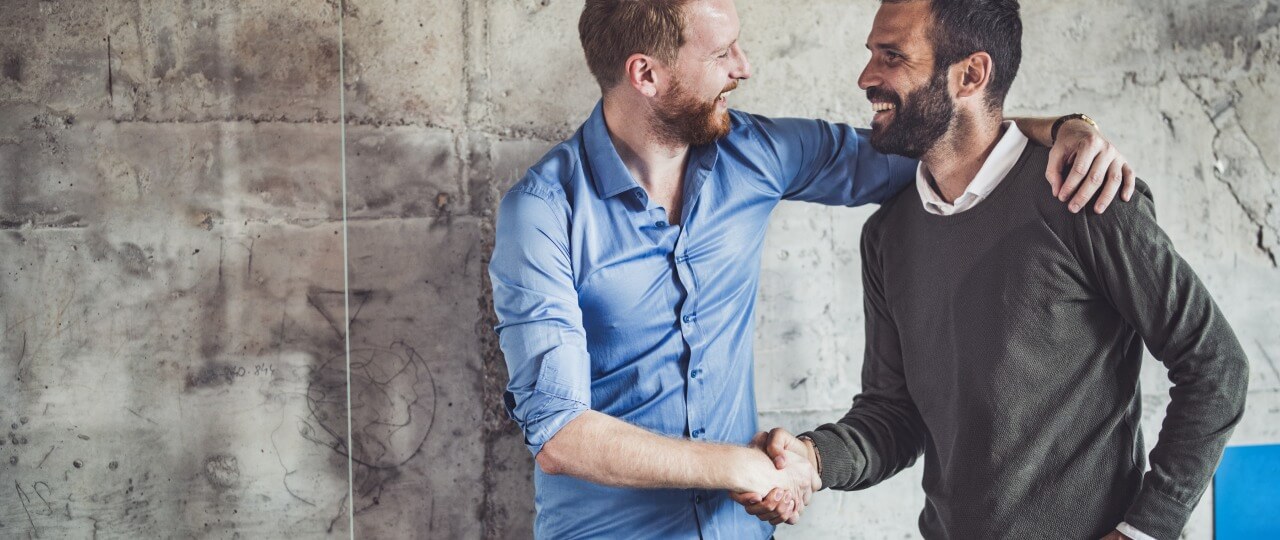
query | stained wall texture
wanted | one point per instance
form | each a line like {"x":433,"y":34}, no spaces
{"x":174,"y":312}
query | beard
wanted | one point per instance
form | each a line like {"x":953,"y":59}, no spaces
{"x":918,"y":122}
{"x":684,"y":119}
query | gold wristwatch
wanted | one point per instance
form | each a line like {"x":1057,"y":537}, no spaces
{"x":1053,"y":132}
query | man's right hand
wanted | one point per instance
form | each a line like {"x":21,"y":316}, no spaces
{"x":797,"y":482}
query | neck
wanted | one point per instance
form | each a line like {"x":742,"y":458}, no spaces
{"x":956,"y":159}
{"x":656,"y":166}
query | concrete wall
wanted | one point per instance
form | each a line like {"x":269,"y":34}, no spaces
{"x":172,"y":295}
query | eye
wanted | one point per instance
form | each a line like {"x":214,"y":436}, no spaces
{"x":893,"y":56}
{"x":724,"y":54}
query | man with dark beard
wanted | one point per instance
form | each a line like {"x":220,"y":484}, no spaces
{"x":1004,"y":337}
{"x":625,"y":272}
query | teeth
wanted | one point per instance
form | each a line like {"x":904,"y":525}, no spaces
{"x":879,"y":107}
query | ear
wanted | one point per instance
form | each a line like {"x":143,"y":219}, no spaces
{"x":641,"y":74}
{"x":975,"y":74}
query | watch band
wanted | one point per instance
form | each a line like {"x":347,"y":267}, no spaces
{"x":1053,"y":132}
{"x":817,"y":456}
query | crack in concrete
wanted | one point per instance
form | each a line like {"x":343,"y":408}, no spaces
{"x":110,"y":78}
{"x":31,"y":225}
{"x":483,"y":125}
{"x":1214,"y":119}
{"x":541,"y":134}
{"x":305,"y":223}
{"x":22,"y":356}
{"x":1270,"y":361}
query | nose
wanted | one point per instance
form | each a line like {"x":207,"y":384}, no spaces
{"x":743,"y":70}
{"x":869,"y":76}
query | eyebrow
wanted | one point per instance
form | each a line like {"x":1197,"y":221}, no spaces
{"x":732,"y":43}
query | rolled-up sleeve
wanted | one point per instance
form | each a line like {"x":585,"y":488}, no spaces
{"x":827,"y":163}
{"x":539,"y":322}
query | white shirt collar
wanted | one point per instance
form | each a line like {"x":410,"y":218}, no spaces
{"x":994,"y":169}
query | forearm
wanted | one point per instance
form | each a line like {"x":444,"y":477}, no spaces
{"x":1207,"y":401}
{"x":599,"y":448}
{"x":883,"y":432}
{"x":1037,"y":128}
{"x":874,"y":441}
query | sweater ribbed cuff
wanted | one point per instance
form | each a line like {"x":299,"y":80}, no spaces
{"x":839,"y":466}
{"x":1157,"y":514}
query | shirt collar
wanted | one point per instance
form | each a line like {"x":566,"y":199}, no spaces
{"x":998,"y":164}
{"x":611,"y":176}
{"x":608,"y":173}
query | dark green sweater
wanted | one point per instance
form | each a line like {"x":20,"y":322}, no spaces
{"x":1004,"y":344}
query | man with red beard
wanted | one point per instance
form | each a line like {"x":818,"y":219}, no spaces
{"x":1005,"y":337}
{"x":626,"y":266}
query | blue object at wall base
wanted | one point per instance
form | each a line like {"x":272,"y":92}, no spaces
{"x":1246,"y":494}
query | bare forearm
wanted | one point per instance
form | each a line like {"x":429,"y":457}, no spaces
{"x":599,"y":448}
{"x":1038,"y":129}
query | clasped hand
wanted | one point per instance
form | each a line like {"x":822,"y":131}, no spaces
{"x":788,"y":486}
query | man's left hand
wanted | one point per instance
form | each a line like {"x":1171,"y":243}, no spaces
{"x":1096,"y":167}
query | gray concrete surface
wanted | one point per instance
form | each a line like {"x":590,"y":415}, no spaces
{"x":172,"y":355}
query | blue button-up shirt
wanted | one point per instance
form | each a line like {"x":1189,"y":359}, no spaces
{"x":602,"y":304}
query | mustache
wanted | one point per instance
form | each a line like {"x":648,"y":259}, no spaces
{"x":730,"y":87}
{"x":879,"y":94}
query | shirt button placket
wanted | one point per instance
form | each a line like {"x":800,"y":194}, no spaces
{"x":692,"y":405}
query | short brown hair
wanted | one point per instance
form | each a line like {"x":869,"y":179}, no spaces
{"x":963,"y":27}
{"x":613,"y":30}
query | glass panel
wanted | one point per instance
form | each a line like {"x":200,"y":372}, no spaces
{"x":417,"y":251}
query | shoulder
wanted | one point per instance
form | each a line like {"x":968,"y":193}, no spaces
{"x":1126,"y":217}
{"x":541,"y":197}
{"x":747,"y":129}
{"x":890,"y":212}
{"x":548,"y":184}
{"x":552,"y":177}
{"x":779,"y":145}
{"x":765,"y":128}
{"x":1031,"y":166}
{"x":744,"y":122}
{"x":1120,"y":213}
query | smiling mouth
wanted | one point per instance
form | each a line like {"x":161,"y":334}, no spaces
{"x":723,"y":98}
{"x":883,"y":112}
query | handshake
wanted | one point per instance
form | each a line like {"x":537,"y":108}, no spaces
{"x":778,"y":488}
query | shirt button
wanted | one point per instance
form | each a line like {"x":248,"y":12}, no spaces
{"x":660,"y":224}
{"x":697,"y":432}
{"x":688,"y":318}
{"x":697,"y":499}
{"x":696,"y":373}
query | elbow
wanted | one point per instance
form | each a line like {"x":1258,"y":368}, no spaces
{"x":563,"y":450}
{"x":549,"y":459}
{"x":1243,"y":388}
{"x":1240,"y":386}
{"x":1233,"y":389}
